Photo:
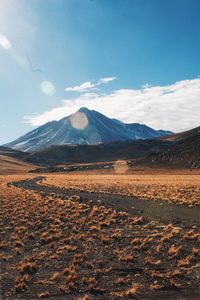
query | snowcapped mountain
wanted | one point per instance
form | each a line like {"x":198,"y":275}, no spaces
{"x":83,"y":127}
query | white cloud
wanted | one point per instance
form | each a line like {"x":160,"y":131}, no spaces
{"x":87,"y":86}
{"x":174,"y":107}
{"x":81,"y":88}
{"x":4,"y":42}
{"x":106,"y":79}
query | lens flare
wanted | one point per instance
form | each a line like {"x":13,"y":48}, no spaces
{"x":120,"y":167}
{"x":79,"y":120}
{"x":4,"y":42}
{"x":48,"y":88}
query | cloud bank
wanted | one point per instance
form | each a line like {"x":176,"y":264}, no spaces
{"x":174,"y":107}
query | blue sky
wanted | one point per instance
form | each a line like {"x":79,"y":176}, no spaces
{"x":136,"y":60}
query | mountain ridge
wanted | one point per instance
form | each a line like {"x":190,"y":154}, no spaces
{"x":83,"y":127}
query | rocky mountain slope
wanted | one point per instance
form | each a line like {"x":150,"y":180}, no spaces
{"x":183,"y":152}
{"x":96,"y":153}
{"x":83,"y":127}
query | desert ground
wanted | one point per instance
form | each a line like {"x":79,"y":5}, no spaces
{"x":100,"y":236}
{"x":9,"y":165}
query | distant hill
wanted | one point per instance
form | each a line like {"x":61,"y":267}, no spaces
{"x":96,"y":153}
{"x":83,"y":127}
{"x":184,"y":152}
{"x":180,"y":135}
{"x":11,"y":162}
{"x":13,"y":153}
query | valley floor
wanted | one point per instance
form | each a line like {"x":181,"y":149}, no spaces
{"x":87,"y":236}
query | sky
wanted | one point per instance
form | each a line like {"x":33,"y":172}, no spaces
{"x":134,"y":60}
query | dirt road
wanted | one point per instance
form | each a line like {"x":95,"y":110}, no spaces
{"x":151,"y":210}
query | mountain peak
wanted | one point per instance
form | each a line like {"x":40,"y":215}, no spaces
{"x":83,"y":127}
{"x":84,"y":110}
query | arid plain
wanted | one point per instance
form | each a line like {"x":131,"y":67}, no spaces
{"x":100,"y":236}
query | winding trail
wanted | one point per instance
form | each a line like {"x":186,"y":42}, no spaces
{"x":158,"y":210}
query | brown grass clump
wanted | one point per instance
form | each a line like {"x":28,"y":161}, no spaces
{"x":54,"y":276}
{"x":175,"y":284}
{"x":185,"y":262}
{"x":191,"y":235}
{"x":133,"y":290}
{"x":44,"y":295}
{"x":151,"y":261}
{"x":85,"y":297}
{"x":156,"y":287}
{"x":121,"y":280}
{"x":195,"y":251}
{"x":19,"y":244}
{"x":70,"y":248}
{"x":27,"y":266}
{"x":3,"y":245}
{"x":18,"y":251}
{"x":173,"y":250}
{"x":128,"y":258}
{"x":20,"y":287}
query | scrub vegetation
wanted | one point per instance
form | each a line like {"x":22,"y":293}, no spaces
{"x":55,"y":246}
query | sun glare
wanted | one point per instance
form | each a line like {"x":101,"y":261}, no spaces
{"x":79,"y":120}
{"x":4,"y":42}
{"x":48,"y":88}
